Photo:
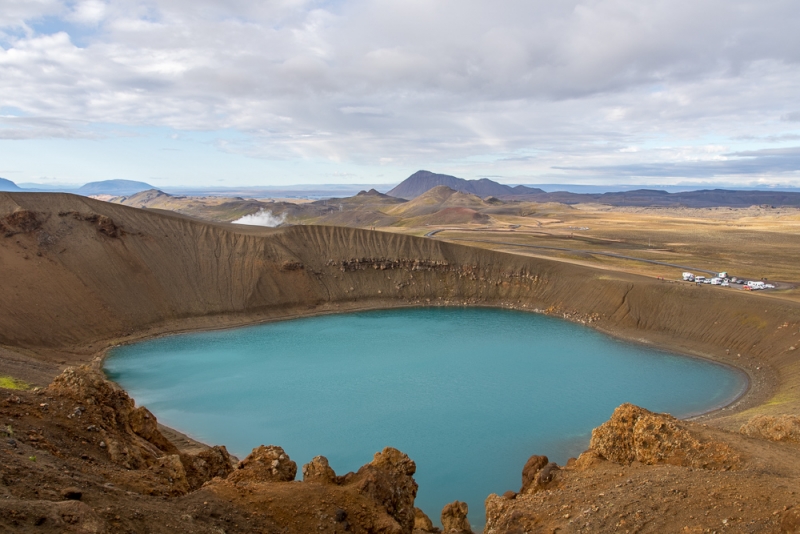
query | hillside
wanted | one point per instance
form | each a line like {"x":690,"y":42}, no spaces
{"x":435,"y":199}
{"x":421,"y":181}
{"x":150,"y":198}
{"x":8,"y":185}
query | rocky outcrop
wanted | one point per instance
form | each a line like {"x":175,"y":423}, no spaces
{"x":268,"y":463}
{"x":539,"y":473}
{"x":780,"y":428}
{"x":318,"y":470}
{"x":388,"y":480}
{"x":423,"y":523}
{"x":649,"y":472}
{"x":83,"y":442}
{"x":636,"y":434}
{"x":20,"y":221}
{"x":206,"y":465}
{"x":113,"y":416}
{"x":104,"y":224}
{"x":129,"y":435}
{"x":454,"y":518}
{"x":532,"y":467}
{"x":144,"y":424}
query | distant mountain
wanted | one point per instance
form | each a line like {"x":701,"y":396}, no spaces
{"x":8,"y":185}
{"x":113,"y":187}
{"x":422,"y":181}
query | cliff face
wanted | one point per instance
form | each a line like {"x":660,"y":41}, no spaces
{"x":80,"y":274}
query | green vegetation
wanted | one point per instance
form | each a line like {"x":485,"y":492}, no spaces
{"x":9,"y":382}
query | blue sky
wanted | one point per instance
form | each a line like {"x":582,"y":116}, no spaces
{"x":239,"y":93}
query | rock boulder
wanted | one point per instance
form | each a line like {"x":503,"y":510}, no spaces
{"x":636,"y":434}
{"x":265,"y":464}
{"x":454,"y":518}
{"x":780,"y":428}
{"x":318,"y":470}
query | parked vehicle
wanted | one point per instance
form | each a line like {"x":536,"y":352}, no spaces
{"x":725,"y":283}
{"x":769,"y":286}
{"x":723,"y":274}
{"x":700,"y":279}
{"x":716,"y":281}
{"x":689,"y":277}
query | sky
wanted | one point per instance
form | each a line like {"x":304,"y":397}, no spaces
{"x":284,"y":92}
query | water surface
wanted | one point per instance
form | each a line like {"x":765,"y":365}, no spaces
{"x":468,"y":393}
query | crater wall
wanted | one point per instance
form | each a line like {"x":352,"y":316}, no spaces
{"x":79,"y":275}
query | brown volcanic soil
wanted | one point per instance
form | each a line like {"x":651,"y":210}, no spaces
{"x":82,"y":275}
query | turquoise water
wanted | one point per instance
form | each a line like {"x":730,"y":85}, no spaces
{"x":467,"y":393}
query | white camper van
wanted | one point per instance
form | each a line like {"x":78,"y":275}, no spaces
{"x":688,"y":277}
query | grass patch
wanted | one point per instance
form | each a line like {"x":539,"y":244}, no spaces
{"x":9,"y":382}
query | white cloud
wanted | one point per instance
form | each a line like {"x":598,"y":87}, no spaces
{"x":413,"y":81}
{"x":17,"y":13}
{"x":88,"y":12}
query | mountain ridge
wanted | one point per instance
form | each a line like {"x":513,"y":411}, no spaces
{"x":113,"y":187}
{"x":8,"y":185}
{"x":422,"y":181}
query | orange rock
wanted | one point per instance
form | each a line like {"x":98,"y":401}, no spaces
{"x":636,"y":434}
{"x":780,"y":428}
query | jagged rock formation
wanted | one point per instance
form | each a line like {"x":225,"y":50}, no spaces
{"x":635,"y":434}
{"x":128,"y":434}
{"x":388,"y":479}
{"x":538,"y":474}
{"x":423,"y":523}
{"x":265,"y":464}
{"x":318,"y":470}
{"x":454,"y":518}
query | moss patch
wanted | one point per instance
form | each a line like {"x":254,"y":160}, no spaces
{"x":9,"y":382}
